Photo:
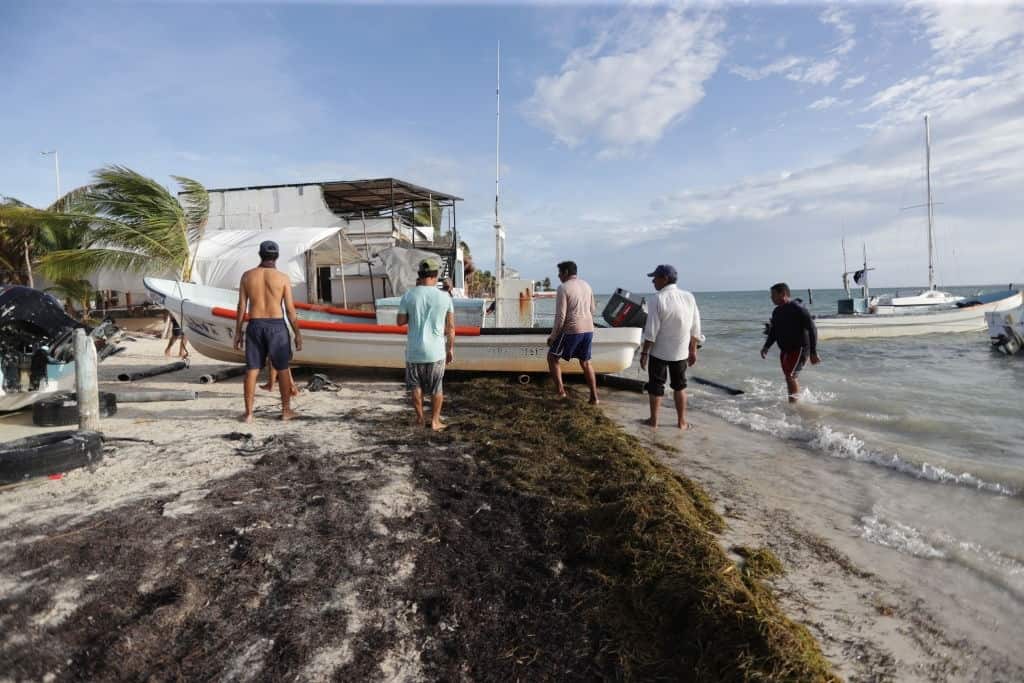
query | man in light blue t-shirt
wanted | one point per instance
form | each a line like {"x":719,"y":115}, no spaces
{"x":430,"y":344}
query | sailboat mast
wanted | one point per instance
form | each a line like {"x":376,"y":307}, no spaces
{"x":846,"y":271}
{"x":499,"y":233}
{"x":928,"y":184}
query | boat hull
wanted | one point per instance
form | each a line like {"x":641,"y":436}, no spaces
{"x":210,"y":330}
{"x":967,"y":319}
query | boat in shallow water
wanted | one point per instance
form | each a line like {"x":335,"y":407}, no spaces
{"x":334,"y":337}
{"x":968,"y":316}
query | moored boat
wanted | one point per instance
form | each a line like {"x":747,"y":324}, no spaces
{"x":334,"y":337}
{"x":968,"y":316}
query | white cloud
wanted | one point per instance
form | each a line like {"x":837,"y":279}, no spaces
{"x":834,"y":16}
{"x":821,"y":73}
{"x":636,"y":77}
{"x":779,"y":66}
{"x":799,"y":69}
{"x":827,"y":103}
{"x":853,"y":82}
{"x":837,"y":18}
{"x":960,"y":33}
{"x":844,"y":47}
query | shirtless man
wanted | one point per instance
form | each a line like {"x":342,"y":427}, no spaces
{"x":264,"y":291}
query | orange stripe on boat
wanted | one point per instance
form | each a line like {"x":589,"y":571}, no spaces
{"x":352,"y":313}
{"x":348,"y":327}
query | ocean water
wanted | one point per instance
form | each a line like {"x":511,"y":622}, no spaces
{"x":930,"y":429}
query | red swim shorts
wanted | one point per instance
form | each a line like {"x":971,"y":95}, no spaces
{"x":793,"y":362}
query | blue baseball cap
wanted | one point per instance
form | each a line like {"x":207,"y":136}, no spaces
{"x":665,"y":271}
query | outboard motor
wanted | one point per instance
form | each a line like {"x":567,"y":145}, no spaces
{"x":624,"y":311}
{"x":33,"y":330}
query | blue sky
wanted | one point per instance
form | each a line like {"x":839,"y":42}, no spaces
{"x":738,"y":142}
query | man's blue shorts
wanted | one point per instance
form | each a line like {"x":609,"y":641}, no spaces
{"x":569,"y":346}
{"x":267,"y":338}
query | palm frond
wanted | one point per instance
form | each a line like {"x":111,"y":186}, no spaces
{"x":74,"y":263}
{"x":73,"y":201}
{"x":11,"y":201}
{"x":196,"y":203}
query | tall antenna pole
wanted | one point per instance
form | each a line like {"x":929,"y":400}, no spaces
{"x":499,"y":233}
{"x":928,"y":183}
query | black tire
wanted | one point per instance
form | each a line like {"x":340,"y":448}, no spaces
{"x":62,"y":409}
{"x":44,"y":454}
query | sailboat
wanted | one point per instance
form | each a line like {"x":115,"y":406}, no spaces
{"x":930,"y":296}
{"x":929,"y":311}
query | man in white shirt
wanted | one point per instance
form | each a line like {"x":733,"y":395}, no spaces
{"x":671,"y":336}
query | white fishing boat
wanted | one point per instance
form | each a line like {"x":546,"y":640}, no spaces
{"x":333,"y":337}
{"x":968,"y":316}
{"x":1006,"y":330}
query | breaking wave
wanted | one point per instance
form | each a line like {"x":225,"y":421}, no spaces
{"x":824,"y":439}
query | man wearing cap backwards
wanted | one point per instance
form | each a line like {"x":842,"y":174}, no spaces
{"x":670,"y":338}
{"x":430,"y":344}
{"x":263,"y":292}
{"x":573,"y":330}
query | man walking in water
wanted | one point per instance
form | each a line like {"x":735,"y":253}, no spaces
{"x":792,"y":328}
{"x":572,"y":333}
{"x":263,"y":293}
{"x":430,"y":345}
{"x":670,"y":338}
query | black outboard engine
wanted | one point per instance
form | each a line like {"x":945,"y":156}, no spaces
{"x":33,"y":331}
{"x":623,"y":311}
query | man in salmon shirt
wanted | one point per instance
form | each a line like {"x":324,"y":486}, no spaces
{"x":573,"y":331}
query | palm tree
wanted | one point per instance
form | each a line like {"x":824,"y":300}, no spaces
{"x":127,"y":221}
{"x":25,"y":231}
{"x":15,"y":245}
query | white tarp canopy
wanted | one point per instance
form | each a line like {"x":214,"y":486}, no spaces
{"x":223,"y":255}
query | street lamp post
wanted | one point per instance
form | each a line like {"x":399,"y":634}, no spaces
{"x":56,"y":167}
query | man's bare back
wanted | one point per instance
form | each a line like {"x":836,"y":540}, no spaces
{"x":266,"y":289}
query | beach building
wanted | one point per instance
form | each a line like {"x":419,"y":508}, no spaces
{"x":375,"y":215}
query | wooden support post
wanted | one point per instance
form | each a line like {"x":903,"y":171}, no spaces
{"x":86,"y":382}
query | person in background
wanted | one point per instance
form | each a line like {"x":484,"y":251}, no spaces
{"x":792,"y":328}
{"x":671,"y":336}
{"x":572,"y":333}
{"x":272,"y":379}
{"x":263,"y":293}
{"x":176,"y":334}
{"x":430,"y":341}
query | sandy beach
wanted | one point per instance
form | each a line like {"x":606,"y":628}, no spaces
{"x":322,"y":522}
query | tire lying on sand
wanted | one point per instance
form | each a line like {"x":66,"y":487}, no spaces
{"x":62,"y":409}
{"x":43,"y":454}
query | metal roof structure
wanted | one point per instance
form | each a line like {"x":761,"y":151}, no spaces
{"x":372,"y":196}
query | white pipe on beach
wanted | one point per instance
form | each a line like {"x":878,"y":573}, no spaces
{"x":86,"y":382}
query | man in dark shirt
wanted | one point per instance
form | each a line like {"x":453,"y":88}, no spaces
{"x":792,"y":328}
